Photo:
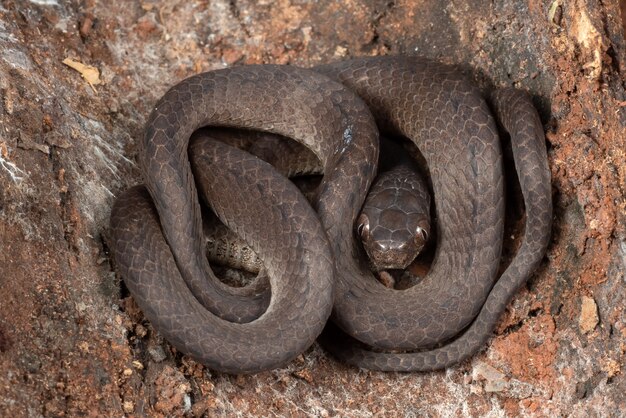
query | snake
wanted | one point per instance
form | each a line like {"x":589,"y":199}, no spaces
{"x":314,"y":260}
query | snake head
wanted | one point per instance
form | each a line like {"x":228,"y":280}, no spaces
{"x":394,"y":223}
{"x":392,"y":245}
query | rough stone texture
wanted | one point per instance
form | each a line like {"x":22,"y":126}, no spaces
{"x":72,"y":341}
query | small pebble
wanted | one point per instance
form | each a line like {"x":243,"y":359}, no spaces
{"x":128,"y":407}
{"x":495,"y":380}
{"x":588,"y":318}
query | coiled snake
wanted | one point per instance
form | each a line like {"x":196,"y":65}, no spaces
{"x":334,"y":110}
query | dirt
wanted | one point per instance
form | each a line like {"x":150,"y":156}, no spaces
{"x":72,"y":341}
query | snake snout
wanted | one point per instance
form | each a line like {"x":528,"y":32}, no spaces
{"x":391,"y":254}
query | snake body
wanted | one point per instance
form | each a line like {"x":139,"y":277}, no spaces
{"x":449,"y":315}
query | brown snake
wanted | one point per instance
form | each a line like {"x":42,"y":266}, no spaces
{"x":449,"y":315}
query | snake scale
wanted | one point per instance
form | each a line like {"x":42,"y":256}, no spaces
{"x":313,"y":261}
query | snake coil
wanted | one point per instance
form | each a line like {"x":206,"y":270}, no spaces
{"x":335,"y":110}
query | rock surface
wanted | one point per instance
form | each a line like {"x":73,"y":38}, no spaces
{"x":73,"y":342}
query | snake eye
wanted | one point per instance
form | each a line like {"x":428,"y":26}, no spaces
{"x":423,"y":227}
{"x":363,"y":227}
